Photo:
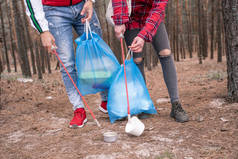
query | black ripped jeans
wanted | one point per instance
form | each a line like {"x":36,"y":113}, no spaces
{"x":160,"y":42}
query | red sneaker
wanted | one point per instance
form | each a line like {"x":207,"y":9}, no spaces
{"x":103,"y":107}
{"x":79,"y":118}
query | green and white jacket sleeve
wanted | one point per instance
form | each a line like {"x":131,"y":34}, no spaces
{"x":34,"y":9}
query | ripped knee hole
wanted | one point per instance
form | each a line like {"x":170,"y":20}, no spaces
{"x":138,"y":60}
{"x":165,"y":52}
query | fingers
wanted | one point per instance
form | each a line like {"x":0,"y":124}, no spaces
{"x":137,"y":49}
{"x":87,"y":11}
{"x":137,"y":45}
{"x":118,"y":34}
{"x":48,"y":41}
{"x":119,"y":30}
{"x":83,"y":20}
{"x":134,"y":43}
{"x":51,"y":46}
{"x":88,"y":17}
{"x":83,"y":11}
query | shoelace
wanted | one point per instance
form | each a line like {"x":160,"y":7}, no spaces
{"x":178,"y":108}
{"x":78,"y":114}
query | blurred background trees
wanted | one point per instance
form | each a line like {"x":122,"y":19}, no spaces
{"x":195,"y":28}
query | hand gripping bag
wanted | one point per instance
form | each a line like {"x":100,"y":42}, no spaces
{"x":95,"y":63}
{"x":139,"y":97}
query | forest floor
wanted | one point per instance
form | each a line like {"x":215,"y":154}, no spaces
{"x":35,"y":115}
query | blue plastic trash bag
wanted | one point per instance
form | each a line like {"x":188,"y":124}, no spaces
{"x":139,"y":97}
{"x":95,"y":63}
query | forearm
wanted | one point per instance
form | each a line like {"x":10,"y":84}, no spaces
{"x":154,"y":19}
{"x":34,"y":9}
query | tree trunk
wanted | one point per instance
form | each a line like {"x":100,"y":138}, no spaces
{"x":101,"y":10}
{"x":4,"y":39}
{"x":191,"y":26}
{"x":230,"y":15}
{"x":48,"y":61}
{"x":180,"y":30}
{"x":174,"y":41}
{"x":42,"y":58}
{"x":148,"y":52}
{"x":189,"y":31}
{"x":24,"y":62}
{"x":57,"y":65}
{"x":177,"y":30}
{"x":204,"y":30}
{"x":108,"y":31}
{"x":200,"y":33}
{"x":155,"y":58}
{"x":219,"y":38}
{"x":1,"y":66}
{"x":29,"y":40}
{"x":13,"y":44}
{"x":144,"y":52}
{"x":212,"y":30}
{"x":182,"y":49}
{"x":38,"y":60}
{"x":170,"y":26}
{"x":167,"y":14}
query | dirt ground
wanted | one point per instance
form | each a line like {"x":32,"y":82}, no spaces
{"x":35,"y":115}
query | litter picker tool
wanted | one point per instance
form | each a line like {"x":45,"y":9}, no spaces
{"x":134,"y":126}
{"x":84,"y":101}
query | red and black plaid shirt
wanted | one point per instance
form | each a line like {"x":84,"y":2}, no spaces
{"x":145,"y":14}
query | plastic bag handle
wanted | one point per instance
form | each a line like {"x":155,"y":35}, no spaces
{"x":87,"y":29}
{"x":129,"y":53}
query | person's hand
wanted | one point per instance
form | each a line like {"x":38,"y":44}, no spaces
{"x":137,"y":44}
{"x":48,"y":41}
{"x":119,"y":30}
{"x":88,"y":10}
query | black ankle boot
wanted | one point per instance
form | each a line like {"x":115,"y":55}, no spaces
{"x":144,"y":116}
{"x":178,"y":113}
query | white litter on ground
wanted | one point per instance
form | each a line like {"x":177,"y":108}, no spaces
{"x":15,"y":136}
{"x":162,"y":100}
{"x":224,"y":120}
{"x":55,"y":122}
{"x":49,"y":97}
{"x":162,"y":139}
{"x":143,"y":153}
{"x":217,"y":103}
{"x":102,"y":156}
{"x":25,"y":80}
{"x":51,"y":132}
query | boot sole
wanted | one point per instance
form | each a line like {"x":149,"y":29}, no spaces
{"x":102,"y":110}
{"x":144,"y":116}
{"x":183,"y":121}
{"x":78,"y":126}
{"x":173,"y":116}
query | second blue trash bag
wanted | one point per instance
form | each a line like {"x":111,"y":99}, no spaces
{"x":95,"y":63}
{"x":139,"y":97}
